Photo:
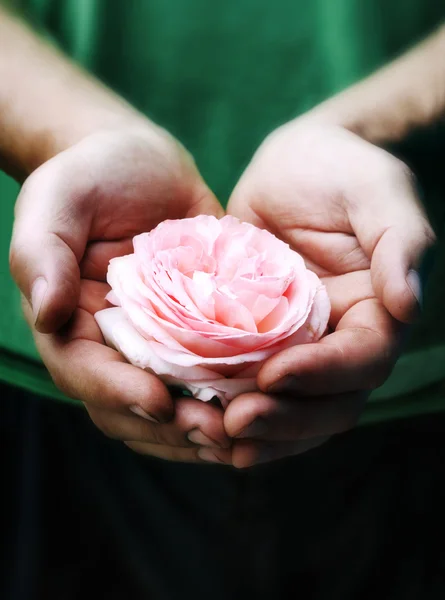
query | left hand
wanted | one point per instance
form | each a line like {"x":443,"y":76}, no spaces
{"x":351,"y":209}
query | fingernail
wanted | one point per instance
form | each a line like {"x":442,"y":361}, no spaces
{"x":289,"y":383}
{"x":37,"y":296}
{"x":140,"y":412}
{"x":257,"y":428}
{"x":413,"y":281}
{"x":197,"y":437}
{"x":208,"y":455}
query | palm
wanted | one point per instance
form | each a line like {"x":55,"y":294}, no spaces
{"x":329,"y":246}
{"x":133,"y":185}
{"x":299,"y":187}
{"x":129,"y":183}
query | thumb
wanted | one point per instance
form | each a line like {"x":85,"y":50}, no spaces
{"x":395,"y":267}
{"x":48,"y":241}
{"x":394,"y":232}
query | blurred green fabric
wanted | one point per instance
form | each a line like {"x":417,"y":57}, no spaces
{"x":220,"y":76}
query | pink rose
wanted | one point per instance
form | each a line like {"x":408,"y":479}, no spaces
{"x":202,"y":303}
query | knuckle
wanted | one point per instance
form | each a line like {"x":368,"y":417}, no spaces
{"x":183,"y":455}
{"x":428,"y":234}
{"x":32,"y":187}
{"x":404,"y":172}
{"x":26,"y":191}
{"x":156,"y":435}
{"x":104,"y":424}
{"x":135,"y":447}
{"x":108,"y":431}
{"x":69,"y":386}
{"x":398,"y":171}
{"x":397,"y":174}
{"x":15,"y":259}
{"x":61,"y":383}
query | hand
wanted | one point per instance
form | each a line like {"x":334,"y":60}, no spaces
{"x":352,"y":211}
{"x":74,"y":213}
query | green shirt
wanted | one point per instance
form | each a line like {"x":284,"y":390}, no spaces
{"x":220,"y":76}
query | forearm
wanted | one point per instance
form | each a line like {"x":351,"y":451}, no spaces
{"x":46,"y":102}
{"x":404,"y":96}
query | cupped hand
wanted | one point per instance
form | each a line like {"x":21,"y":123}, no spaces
{"x":75,"y":213}
{"x":351,"y":209}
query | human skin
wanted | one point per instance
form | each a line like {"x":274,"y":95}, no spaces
{"x":94,"y":169}
{"x":322,"y":183}
{"x":78,"y":146}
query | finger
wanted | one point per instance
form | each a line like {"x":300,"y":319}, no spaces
{"x":189,"y":455}
{"x":195,"y":424}
{"x":394,"y":270}
{"x":330,"y":251}
{"x":392,"y":228}
{"x":277,"y":418}
{"x":83,"y":368}
{"x":92,"y":295}
{"x":246,"y":453}
{"x":359,"y":355}
{"x":48,"y":240}
{"x":345,"y":291}
{"x":97,"y":256}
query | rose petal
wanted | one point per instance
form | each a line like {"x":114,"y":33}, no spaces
{"x":203,"y":303}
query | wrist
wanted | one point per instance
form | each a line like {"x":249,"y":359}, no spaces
{"x":52,"y":104}
{"x":403,"y":97}
{"x":378,"y":121}
{"x":29,"y":150}
{"x":358,"y":114}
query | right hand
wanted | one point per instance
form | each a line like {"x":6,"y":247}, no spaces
{"x":77,"y":211}
{"x":351,"y":210}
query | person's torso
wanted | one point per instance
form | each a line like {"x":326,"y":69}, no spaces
{"x":220,"y":76}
